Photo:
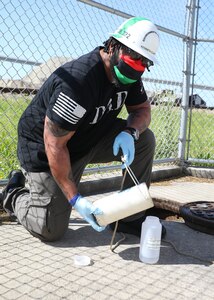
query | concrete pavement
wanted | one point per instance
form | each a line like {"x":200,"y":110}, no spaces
{"x":34,"y":270}
{"x":30,"y":269}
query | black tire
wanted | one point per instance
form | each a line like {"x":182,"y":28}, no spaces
{"x":199,"y":216}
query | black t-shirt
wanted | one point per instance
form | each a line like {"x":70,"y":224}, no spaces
{"x":78,"y":97}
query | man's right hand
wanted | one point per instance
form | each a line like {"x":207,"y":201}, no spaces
{"x":87,"y":210}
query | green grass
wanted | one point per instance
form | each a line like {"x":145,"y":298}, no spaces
{"x":165,"y":124}
{"x":10,"y":112}
{"x":202,"y":134}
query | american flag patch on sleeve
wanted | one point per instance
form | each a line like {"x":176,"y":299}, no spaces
{"x":68,"y":109}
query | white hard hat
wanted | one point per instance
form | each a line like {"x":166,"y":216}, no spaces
{"x":140,"y":35}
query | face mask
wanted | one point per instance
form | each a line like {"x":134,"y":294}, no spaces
{"x":128,"y":70}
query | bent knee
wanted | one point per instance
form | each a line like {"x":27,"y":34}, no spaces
{"x":147,"y":138}
{"x":49,"y":236}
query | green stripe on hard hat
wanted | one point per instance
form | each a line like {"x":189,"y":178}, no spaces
{"x":129,"y":23}
{"x":140,"y":35}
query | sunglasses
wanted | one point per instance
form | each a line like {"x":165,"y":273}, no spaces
{"x":136,"y":56}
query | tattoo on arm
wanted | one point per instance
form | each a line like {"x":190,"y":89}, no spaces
{"x":55,"y":129}
{"x":142,"y":125}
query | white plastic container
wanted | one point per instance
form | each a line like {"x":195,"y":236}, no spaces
{"x":123,"y":204}
{"x":82,"y":260}
{"x":150,"y":240}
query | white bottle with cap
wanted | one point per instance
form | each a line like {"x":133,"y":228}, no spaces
{"x":150,"y":240}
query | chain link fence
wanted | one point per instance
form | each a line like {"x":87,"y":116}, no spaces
{"x":39,"y":36}
{"x":201,"y":121}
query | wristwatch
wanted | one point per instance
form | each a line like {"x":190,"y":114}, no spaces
{"x":134,"y":132}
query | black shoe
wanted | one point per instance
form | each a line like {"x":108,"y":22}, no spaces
{"x":133,"y":227}
{"x":16,"y":180}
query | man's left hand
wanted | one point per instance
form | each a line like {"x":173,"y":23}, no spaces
{"x":126,"y":142}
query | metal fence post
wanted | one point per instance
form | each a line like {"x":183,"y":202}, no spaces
{"x":191,"y":8}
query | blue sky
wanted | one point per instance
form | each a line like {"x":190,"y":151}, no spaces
{"x":37,"y":30}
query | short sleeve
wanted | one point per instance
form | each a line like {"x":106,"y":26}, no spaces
{"x":66,"y":107}
{"x":136,"y":94}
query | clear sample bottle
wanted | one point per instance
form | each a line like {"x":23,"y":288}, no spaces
{"x":150,"y":240}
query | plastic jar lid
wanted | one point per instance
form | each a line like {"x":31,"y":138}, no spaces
{"x":82,"y":260}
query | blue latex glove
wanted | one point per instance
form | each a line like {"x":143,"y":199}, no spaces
{"x":86,"y":209}
{"x":125,"y":141}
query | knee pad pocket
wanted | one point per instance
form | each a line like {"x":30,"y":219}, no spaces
{"x":37,"y":215}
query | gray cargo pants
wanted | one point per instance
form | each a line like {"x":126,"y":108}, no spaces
{"x":42,"y":207}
